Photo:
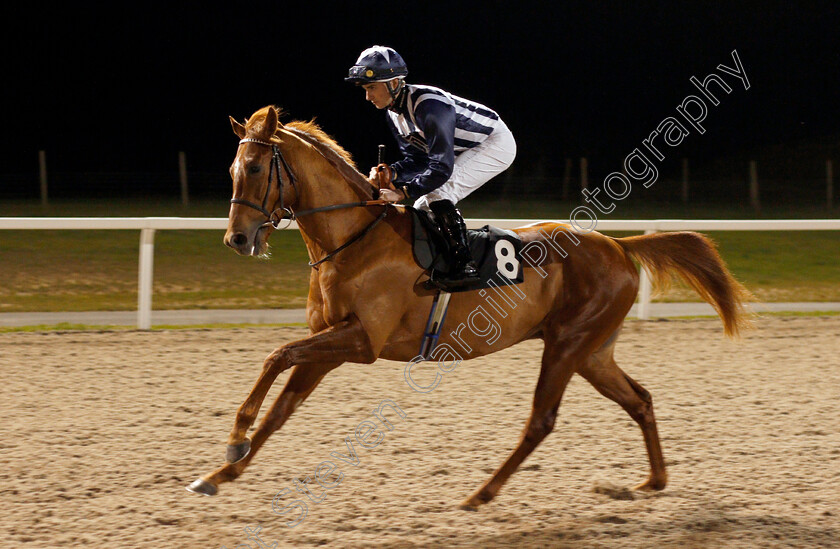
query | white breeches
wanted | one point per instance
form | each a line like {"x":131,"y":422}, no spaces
{"x":475,"y":167}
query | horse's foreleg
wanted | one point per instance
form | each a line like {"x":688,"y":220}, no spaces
{"x":346,"y":341}
{"x":302,"y":382}
{"x":313,"y":358}
{"x":605,"y":375}
{"x":558,"y":365}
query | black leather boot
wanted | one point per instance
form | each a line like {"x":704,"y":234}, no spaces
{"x":463,"y":269}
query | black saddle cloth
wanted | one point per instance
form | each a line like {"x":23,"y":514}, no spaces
{"x":497,"y":253}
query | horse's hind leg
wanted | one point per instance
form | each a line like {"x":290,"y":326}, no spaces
{"x":605,"y":375}
{"x":302,"y":382}
{"x":558,"y":365}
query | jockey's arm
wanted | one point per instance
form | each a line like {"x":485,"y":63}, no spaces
{"x":437,"y":120}
{"x":413,"y":162}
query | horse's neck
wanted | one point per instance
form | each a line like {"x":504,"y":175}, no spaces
{"x":319,"y":184}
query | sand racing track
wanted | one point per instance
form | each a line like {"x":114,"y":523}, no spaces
{"x":101,"y":431}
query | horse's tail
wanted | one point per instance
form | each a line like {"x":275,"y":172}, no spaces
{"x":695,"y":258}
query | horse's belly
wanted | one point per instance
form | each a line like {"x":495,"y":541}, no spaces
{"x":479,"y":323}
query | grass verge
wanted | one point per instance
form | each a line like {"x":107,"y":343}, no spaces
{"x":97,"y":270}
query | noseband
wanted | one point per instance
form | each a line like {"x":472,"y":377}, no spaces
{"x":274,"y":220}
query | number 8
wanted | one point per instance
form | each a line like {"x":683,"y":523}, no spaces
{"x":506,"y":263}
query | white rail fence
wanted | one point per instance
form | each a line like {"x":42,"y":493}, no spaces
{"x":148,"y":226}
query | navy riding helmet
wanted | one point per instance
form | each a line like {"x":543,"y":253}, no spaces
{"x":377,"y":64}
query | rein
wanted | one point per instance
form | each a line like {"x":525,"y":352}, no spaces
{"x":277,"y":159}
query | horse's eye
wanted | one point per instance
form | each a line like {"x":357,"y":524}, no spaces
{"x":254,"y":168}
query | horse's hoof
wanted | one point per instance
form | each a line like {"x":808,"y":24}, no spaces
{"x":203,"y":487}
{"x":476,"y":500}
{"x":471,"y":504}
{"x":650,"y":486}
{"x":237,"y":452}
{"x":653,"y":483}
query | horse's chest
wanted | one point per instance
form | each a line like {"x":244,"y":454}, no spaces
{"x":333,"y":297}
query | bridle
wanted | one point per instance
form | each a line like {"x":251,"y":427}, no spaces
{"x":274,"y":165}
{"x":286,"y":213}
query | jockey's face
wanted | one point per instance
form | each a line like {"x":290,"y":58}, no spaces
{"x":378,"y":94}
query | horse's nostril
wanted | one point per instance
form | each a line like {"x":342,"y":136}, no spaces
{"x":239,"y":240}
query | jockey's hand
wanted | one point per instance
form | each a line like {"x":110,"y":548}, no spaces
{"x":381,"y":177}
{"x":391,"y":196}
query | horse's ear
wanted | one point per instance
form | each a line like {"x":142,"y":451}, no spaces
{"x":238,"y":128}
{"x":270,"y":125}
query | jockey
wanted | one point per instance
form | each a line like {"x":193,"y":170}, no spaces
{"x":451,"y":146}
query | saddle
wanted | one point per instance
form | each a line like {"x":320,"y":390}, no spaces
{"x":497,"y":253}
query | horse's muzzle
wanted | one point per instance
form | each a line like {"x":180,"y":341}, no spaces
{"x":243,"y":245}
{"x":237,"y":241}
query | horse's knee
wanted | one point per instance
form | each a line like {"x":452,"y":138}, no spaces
{"x":280,"y":358}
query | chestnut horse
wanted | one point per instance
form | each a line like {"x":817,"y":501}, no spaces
{"x":365,"y":302}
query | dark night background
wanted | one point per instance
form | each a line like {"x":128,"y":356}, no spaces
{"x":121,"y":89}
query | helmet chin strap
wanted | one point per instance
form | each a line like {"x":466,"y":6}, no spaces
{"x":395,"y":92}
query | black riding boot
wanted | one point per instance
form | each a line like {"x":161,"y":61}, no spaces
{"x":463,"y":269}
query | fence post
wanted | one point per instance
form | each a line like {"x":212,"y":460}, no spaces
{"x":685,"y":180}
{"x":584,"y":173}
{"x":145,"y":277}
{"x":567,"y":177}
{"x":182,"y":172}
{"x":754,"y":200}
{"x":42,"y":174}
{"x":829,"y":184}
{"x":643,"y":309}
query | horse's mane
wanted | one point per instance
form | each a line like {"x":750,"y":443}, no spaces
{"x":335,"y":154}
{"x":313,"y":130}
